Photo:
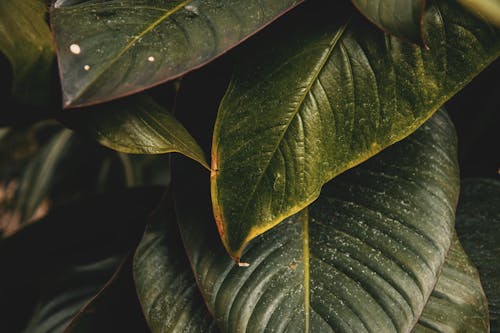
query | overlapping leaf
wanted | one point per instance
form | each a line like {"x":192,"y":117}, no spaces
{"x":324,"y":92}
{"x":365,"y":256}
{"x":478,"y":227}
{"x":25,"y":40}
{"x":164,"y":281}
{"x":137,"y":125}
{"x":108,"y":49}
{"x":400,"y":18}
{"x":457,"y":303}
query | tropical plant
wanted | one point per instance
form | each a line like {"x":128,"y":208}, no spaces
{"x":330,"y":200}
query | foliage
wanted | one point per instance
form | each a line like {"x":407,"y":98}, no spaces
{"x":330,"y":200}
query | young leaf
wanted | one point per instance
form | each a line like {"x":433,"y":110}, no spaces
{"x":365,"y":256}
{"x":323,"y":93}
{"x":164,"y":281}
{"x":457,"y":303}
{"x":136,"y":125}
{"x":26,"y":42}
{"x":478,"y":227}
{"x":108,"y":49}
{"x":400,"y":18}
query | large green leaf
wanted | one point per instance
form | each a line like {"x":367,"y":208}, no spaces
{"x":322,"y":93}
{"x":136,"y":125}
{"x":364,"y":257}
{"x":457,"y":303}
{"x":108,"y":49}
{"x":25,"y":40}
{"x":478,"y":227}
{"x":164,"y":281}
{"x":397,"y":17}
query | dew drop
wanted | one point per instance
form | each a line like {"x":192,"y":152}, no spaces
{"x":75,"y":48}
{"x":151,"y":59}
{"x":86,"y":67}
{"x":192,"y":9}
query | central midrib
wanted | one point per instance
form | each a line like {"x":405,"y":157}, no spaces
{"x":323,"y":60}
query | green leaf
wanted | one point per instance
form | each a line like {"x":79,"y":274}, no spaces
{"x":478,"y":227}
{"x":322,"y":94}
{"x":364,"y":257}
{"x":397,"y":17}
{"x":457,"y":303}
{"x":136,"y":125}
{"x":39,"y":176}
{"x":488,"y":10}
{"x":164,"y":281}
{"x":26,"y":42}
{"x":108,"y":49}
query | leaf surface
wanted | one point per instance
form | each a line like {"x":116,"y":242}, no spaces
{"x":403,"y":18}
{"x":478,"y":228}
{"x":136,"y":125}
{"x":458,"y":302}
{"x":364,"y":257}
{"x":164,"y":281}
{"x":323,"y":93}
{"x":108,"y":49}
{"x":26,"y":42}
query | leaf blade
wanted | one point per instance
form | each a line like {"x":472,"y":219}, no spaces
{"x":368,"y":252}
{"x":26,"y":42}
{"x":400,"y":18}
{"x":197,"y":31}
{"x":372,"y":91}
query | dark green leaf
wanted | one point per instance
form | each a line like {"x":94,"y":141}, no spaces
{"x":137,"y":125}
{"x":38,"y":177}
{"x":164,"y":281}
{"x":403,"y":18}
{"x":114,"y":309}
{"x":457,"y":303}
{"x":364,"y":257}
{"x":478,"y":227}
{"x":108,"y":49}
{"x":322,"y":93}
{"x":25,"y":40}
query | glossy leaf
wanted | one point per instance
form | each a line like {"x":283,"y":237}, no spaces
{"x":167,"y":290}
{"x":397,"y":17}
{"x":26,"y":42}
{"x":457,"y":303}
{"x":108,"y":49}
{"x":364,"y":257}
{"x":136,"y":125}
{"x":488,"y":10}
{"x":478,"y":227}
{"x":323,"y":93}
